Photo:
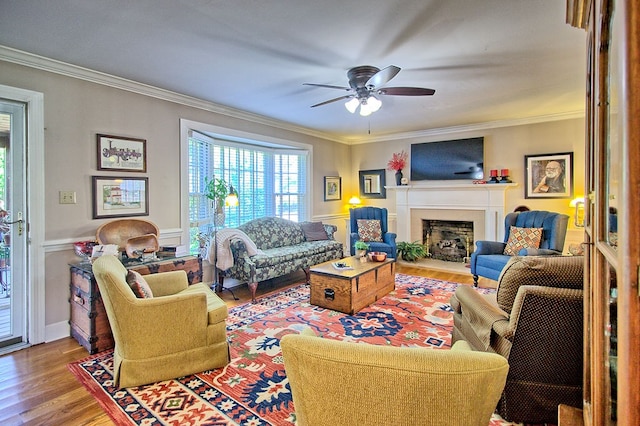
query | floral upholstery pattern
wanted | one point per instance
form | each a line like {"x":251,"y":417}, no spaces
{"x":285,"y":250}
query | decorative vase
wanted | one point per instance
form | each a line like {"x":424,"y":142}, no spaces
{"x":218,"y":214}
{"x":399,"y":177}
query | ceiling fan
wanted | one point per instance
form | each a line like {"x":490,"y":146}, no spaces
{"x":365,"y":84}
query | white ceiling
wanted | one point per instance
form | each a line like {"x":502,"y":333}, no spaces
{"x":488,"y":60}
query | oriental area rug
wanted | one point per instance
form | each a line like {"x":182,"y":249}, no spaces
{"x":252,"y":389}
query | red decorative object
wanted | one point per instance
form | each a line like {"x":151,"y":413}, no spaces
{"x":84,"y":249}
{"x":504,"y":172}
{"x":494,"y":173}
{"x":398,"y":161}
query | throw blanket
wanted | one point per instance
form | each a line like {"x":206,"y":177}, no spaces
{"x":223,"y":257}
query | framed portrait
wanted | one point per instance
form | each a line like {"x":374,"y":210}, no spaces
{"x":122,"y":154}
{"x":332,"y":188}
{"x":549,"y":175}
{"x":120,"y":197}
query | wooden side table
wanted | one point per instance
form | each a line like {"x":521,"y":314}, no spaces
{"x":88,"y":319}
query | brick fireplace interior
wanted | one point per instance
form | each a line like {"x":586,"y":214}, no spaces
{"x":448,"y":240}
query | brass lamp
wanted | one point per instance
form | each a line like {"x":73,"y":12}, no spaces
{"x":578,"y":215}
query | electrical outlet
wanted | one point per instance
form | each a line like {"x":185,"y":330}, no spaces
{"x":67,"y":197}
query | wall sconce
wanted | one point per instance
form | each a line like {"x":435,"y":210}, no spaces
{"x":354,"y":202}
{"x":578,"y":215}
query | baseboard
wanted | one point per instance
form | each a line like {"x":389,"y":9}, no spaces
{"x":56,"y":331}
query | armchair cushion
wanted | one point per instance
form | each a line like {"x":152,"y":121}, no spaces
{"x":369,"y":230}
{"x":522,"y":238}
{"x":139,"y":285}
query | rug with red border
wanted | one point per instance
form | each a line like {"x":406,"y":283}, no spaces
{"x":252,"y":389}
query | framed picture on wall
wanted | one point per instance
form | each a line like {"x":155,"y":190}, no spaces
{"x":549,"y":175}
{"x":120,"y":197}
{"x":332,"y":188}
{"x":122,"y":154}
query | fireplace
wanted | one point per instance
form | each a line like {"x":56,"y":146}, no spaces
{"x":448,"y":240}
{"x":482,"y":204}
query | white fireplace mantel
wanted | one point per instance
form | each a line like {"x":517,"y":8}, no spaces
{"x":488,"y":198}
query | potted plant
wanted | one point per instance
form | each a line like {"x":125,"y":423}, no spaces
{"x":411,"y":251}
{"x":216,"y":189}
{"x":361,"y":248}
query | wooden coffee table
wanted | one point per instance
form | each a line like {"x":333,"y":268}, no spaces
{"x":350,"y":290}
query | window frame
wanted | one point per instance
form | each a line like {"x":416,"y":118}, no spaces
{"x":241,"y":138}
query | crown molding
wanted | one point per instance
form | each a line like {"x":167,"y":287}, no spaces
{"x":31,"y":60}
{"x":471,"y":127}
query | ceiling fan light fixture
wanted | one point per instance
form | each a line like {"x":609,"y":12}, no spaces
{"x":374,"y":103}
{"x":352,"y":105}
{"x":365,"y":109}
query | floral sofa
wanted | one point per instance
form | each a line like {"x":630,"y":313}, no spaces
{"x":286,"y":247}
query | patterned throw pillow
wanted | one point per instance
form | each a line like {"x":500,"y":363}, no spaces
{"x":520,"y":238}
{"x":139,"y":285}
{"x":369,"y":230}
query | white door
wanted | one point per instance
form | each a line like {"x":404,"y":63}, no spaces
{"x":13,"y":235}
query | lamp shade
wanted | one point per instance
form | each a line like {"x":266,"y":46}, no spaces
{"x":365,"y":109}
{"x":352,"y":105}
{"x":576,"y":202}
{"x":354,"y":201}
{"x":231,"y":199}
{"x":374,"y":103}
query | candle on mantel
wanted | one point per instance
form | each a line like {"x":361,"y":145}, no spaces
{"x":494,"y":173}
{"x":504,"y":172}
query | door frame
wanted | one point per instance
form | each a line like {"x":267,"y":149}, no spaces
{"x":34,"y":215}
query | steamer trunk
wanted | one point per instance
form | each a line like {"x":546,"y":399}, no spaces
{"x":350,"y":291}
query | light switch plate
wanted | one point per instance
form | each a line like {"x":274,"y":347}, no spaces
{"x":67,"y":197}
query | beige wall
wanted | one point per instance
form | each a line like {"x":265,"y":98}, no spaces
{"x":505,"y":148}
{"x":75,"y":110}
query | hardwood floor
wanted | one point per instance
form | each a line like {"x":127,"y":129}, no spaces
{"x":36,"y":388}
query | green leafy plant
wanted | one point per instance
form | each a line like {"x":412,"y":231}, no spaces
{"x":361,"y":245}
{"x":411,"y":251}
{"x":216,"y":189}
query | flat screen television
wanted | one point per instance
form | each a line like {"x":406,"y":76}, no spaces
{"x":448,"y":160}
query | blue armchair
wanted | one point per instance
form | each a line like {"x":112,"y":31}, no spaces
{"x":488,"y":259}
{"x":388,"y":243}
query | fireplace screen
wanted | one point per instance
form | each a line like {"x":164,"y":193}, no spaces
{"x":451,"y":241}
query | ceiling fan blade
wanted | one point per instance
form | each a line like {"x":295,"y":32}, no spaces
{"x":406,"y":91}
{"x":332,"y":100}
{"x":329,"y":86}
{"x":383,"y":76}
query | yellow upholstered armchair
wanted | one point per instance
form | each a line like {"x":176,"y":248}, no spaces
{"x":180,"y":330}
{"x":343,"y":383}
